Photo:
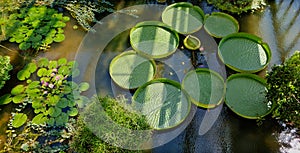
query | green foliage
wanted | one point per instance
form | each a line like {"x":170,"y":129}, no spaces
{"x":35,"y":27}
{"x":85,"y":141}
{"x":52,"y":96}
{"x":85,"y":11}
{"x":38,"y":138}
{"x":5,"y":67}
{"x":283,"y":84}
{"x":238,"y":6}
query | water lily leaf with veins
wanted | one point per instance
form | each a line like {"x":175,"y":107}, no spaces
{"x":19,"y":119}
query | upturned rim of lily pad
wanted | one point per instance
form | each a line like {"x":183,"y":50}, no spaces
{"x":250,"y":37}
{"x":254,"y":78}
{"x":187,"y":5}
{"x":174,"y":84}
{"x":159,"y":25}
{"x":211,"y":72}
{"x":126,"y":53}
{"x":189,"y":38}
{"x":222,"y":15}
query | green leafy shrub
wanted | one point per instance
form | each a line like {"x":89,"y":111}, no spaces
{"x":5,"y":67}
{"x":85,"y":141}
{"x":52,"y":96}
{"x":237,"y":6}
{"x":35,"y":27}
{"x":283,"y":84}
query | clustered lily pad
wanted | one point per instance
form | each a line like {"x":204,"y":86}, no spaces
{"x":53,"y":97}
{"x":5,"y":67}
{"x":35,"y":27}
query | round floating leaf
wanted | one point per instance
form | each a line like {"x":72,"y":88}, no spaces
{"x":31,"y":67}
{"x":84,"y":86}
{"x":17,"y":90}
{"x":221,"y":24}
{"x":54,"y":100}
{"x":33,"y":85}
{"x":37,"y":104}
{"x":73,"y":111}
{"x":42,"y":72}
{"x":24,"y":45}
{"x":154,"y":39}
{"x":43,"y":62}
{"x":22,"y":75}
{"x":244,"y":52}
{"x":19,"y":98}
{"x":205,"y":87}
{"x":59,"y":37}
{"x":64,"y":70}
{"x":191,"y":42}
{"x":183,"y":17}
{"x":163,"y":103}
{"x":65,"y":19}
{"x":130,"y":70}
{"x":51,"y":121}
{"x":52,"y":64}
{"x":39,"y":119}
{"x":59,"y":24}
{"x":19,"y":119}
{"x":63,"y":103}
{"x":54,"y":111}
{"x":62,"y":61}
{"x":245,"y":96}
{"x":5,"y":99}
{"x":62,"y":119}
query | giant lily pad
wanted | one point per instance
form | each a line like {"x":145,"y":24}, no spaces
{"x":205,"y":87}
{"x":154,"y":39}
{"x":245,"y":96}
{"x":183,"y":17}
{"x":163,"y":103}
{"x":244,"y":52}
{"x":221,"y":24}
{"x":130,"y":70}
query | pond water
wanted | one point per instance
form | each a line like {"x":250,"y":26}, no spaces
{"x":278,"y":25}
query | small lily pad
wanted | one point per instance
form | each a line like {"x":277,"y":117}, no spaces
{"x":220,"y":24}
{"x":246,"y":96}
{"x":43,"y":62}
{"x":54,"y":111}
{"x":59,"y":37}
{"x":205,"y":87}
{"x":17,"y":90}
{"x":154,"y":39}
{"x":39,"y":119}
{"x":84,"y":86}
{"x":73,"y":111}
{"x":163,"y":103}
{"x":192,"y":42}
{"x":183,"y":17}
{"x":130,"y":70}
{"x":5,"y":99}
{"x":19,"y":119}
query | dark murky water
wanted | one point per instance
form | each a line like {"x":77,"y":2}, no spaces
{"x":278,"y":25}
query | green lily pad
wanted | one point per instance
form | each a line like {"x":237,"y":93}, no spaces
{"x":130,"y":70}
{"x":154,"y":39}
{"x":246,"y":96}
{"x":63,"y":103}
{"x":42,"y":72}
{"x":22,"y":75}
{"x":54,"y":111}
{"x":244,"y":52}
{"x":62,"y":119}
{"x":73,"y":111}
{"x":62,"y":61}
{"x":43,"y":62}
{"x":191,"y":42}
{"x":59,"y":37}
{"x":84,"y":86}
{"x":17,"y":89}
{"x":18,"y":98}
{"x":19,"y":119}
{"x":5,"y":99}
{"x":220,"y":24}
{"x":205,"y":87}
{"x":24,"y":45}
{"x":39,"y":119}
{"x":183,"y":17}
{"x":163,"y":103}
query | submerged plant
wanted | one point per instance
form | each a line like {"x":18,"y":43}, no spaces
{"x":283,"y":89}
{"x":52,"y":95}
{"x":5,"y":67}
{"x":35,"y":27}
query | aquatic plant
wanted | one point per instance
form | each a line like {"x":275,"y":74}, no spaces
{"x":5,"y":67}
{"x":85,"y":11}
{"x":85,"y":141}
{"x":283,"y":89}
{"x":238,"y":6}
{"x":52,"y":95}
{"x":35,"y":27}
